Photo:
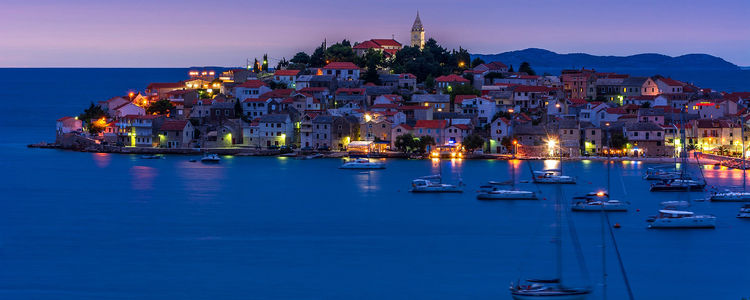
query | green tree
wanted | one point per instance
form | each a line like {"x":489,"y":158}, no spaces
{"x":256,"y":66}
{"x":407,"y":143}
{"x":283,"y":63}
{"x":340,"y":52}
{"x":161,"y":107}
{"x":477,"y":61}
{"x":89,"y":115}
{"x":460,"y":89}
{"x":511,"y":69}
{"x":618,"y":140}
{"x":473,"y":142}
{"x":318,"y":59}
{"x":424,"y":142}
{"x":429,"y":82}
{"x":526,"y":68}
{"x":264,"y":67}
{"x":238,"y":111}
{"x":300,"y":58}
{"x":646,"y":105}
{"x":463,"y":58}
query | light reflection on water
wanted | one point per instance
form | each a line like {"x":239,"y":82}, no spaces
{"x":102,"y":160}
{"x":142,"y":177}
{"x":202,"y":181}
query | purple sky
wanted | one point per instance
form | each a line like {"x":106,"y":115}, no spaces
{"x":181,"y":33}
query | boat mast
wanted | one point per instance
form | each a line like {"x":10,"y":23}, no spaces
{"x":558,"y":233}
{"x":742,"y":137}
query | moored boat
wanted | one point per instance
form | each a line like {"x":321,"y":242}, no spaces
{"x":668,"y":218}
{"x":151,"y":156}
{"x":598,"y":202}
{"x":744,"y":212}
{"x":501,"y":194}
{"x":546,"y":289}
{"x":425,"y":185}
{"x":678,"y":185}
{"x":210,"y":158}
{"x":552,"y":177}
{"x":362,"y":163}
{"x":730,"y":197}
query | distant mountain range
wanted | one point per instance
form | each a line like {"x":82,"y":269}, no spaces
{"x":548,"y":60}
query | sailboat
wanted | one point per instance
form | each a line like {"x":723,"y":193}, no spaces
{"x":553,"y":176}
{"x":552,"y":289}
{"x":675,"y":217}
{"x":434,"y":184}
{"x":495,"y":193}
{"x":683,"y":183}
{"x":599,"y":201}
{"x":729,"y":196}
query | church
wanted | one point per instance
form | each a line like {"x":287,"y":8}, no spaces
{"x":389,"y":47}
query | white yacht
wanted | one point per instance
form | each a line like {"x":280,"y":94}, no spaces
{"x":362,"y":163}
{"x":535,"y":289}
{"x":668,"y":218}
{"x":598,"y":202}
{"x":744,"y":212}
{"x":731,"y":197}
{"x":552,"y":176}
{"x":210,"y":158}
{"x":501,"y":194}
{"x":426,"y":185}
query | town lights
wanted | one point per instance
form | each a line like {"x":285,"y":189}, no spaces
{"x":551,"y":147}
{"x":368,"y":118}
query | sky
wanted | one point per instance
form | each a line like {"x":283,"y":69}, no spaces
{"x":184,"y":33}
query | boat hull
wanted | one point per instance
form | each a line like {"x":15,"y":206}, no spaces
{"x":554,"y":181}
{"x":677,"y":188}
{"x":730,"y":198}
{"x":508,"y":196}
{"x":436,"y":190}
{"x":556,"y":295}
{"x":374,"y":167}
{"x":595,"y":208}
{"x":683,"y":223}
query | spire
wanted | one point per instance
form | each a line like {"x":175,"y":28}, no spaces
{"x":417,"y":24}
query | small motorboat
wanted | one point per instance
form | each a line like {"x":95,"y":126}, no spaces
{"x":660,"y":174}
{"x":362,"y":163}
{"x":553,"y":177}
{"x":730,"y":197}
{"x":678,"y":185}
{"x":211,"y":158}
{"x":598,"y":201}
{"x":152,"y":156}
{"x":427,"y":185}
{"x":546,"y":289}
{"x":744,"y":212}
{"x":668,"y":218}
{"x":502,"y":194}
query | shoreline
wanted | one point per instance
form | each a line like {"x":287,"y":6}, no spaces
{"x":240,"y":151}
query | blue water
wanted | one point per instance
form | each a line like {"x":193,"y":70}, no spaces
{"x":102,"y":226}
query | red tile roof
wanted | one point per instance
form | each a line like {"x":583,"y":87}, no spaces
{"x":616,"y":111}
{"x":173,"y":125}
{"x":314,"y":89}
{"x":280,"y":93}
{"x":387,"y":42}
{"x":461,"y":126}
{"x":532,"y":89}
{"x":63,"y":119}
{"x":460,"y":98}
{"x":451,"y":78}
{"x":366,"y":45}
{"x":345,"y":65}
{"x":413,"y":107}
{"x":350,"y":91}
{"x":252,"y":84}
{"x":578,"y":101}
{"x":286,"y":73}
{"x":431,"y":124}
{"x":405,"y":126}
{"x":671,"y":82}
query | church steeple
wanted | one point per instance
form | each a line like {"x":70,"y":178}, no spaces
{"x":417,"y":33}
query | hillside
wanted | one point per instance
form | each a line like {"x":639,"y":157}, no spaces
{"x":545,"y":59}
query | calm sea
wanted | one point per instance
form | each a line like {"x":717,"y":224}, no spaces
{"x":102,"y":226}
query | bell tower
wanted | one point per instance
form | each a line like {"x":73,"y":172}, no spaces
{"x":417,"y":33}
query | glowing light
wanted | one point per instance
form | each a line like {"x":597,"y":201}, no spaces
{"x":600,"y":194}
{"x":131,"y":94}
{"x":511,"y":110}
{"x":368,"y":118}
{"x":515,"y":142}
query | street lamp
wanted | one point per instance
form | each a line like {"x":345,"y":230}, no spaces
{"x":515,"y":148}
